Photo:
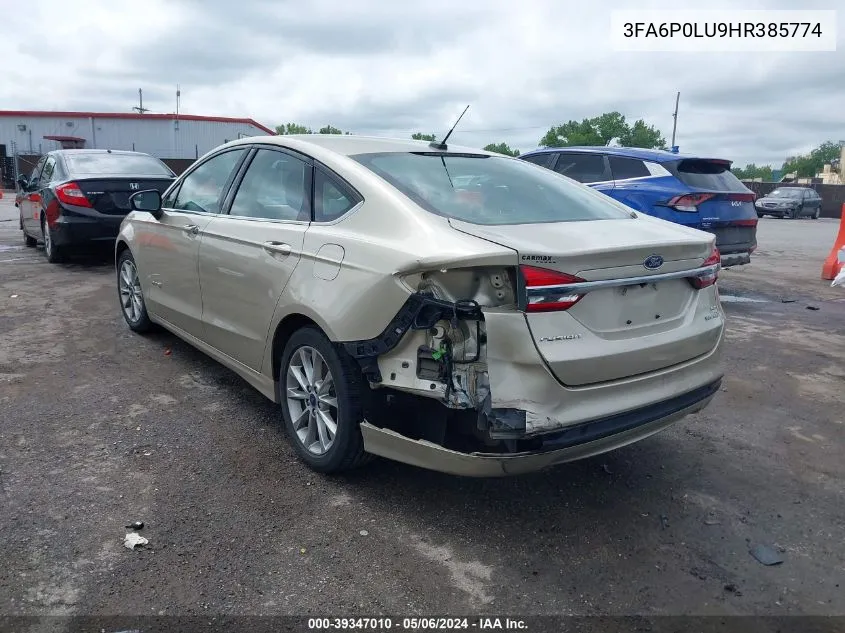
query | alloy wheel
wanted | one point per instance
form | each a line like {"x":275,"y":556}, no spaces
{"x":131,"y":299}
{"x":311,"y":400}
{"x":48,"y":242}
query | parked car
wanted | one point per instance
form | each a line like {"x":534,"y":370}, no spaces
{"x":693,"y":191}
{"x":790,"y":202}
{"x":77,"y":198}
{"x":501,"y":326}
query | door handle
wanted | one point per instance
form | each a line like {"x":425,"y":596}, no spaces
{"x":193,"y":229}
{"x":277,"y":247}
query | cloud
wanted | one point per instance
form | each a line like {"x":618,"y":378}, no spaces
{"x":392,"y":68}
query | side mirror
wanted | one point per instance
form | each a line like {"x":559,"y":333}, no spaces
{"x":149,"y":201}
{"x":23,"y":181}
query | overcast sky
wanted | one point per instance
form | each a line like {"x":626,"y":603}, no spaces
{"x":389,"y":67}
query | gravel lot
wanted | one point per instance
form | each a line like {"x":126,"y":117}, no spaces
{"x":100,"y":427}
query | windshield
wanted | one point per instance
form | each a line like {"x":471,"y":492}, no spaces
{"x":786,"y":193}
{"x":114,"y":164}
{"x":490,"y":190}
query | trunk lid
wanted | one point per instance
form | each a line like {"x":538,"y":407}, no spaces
{"x":110,"y":195}
{"x":619,"y":330}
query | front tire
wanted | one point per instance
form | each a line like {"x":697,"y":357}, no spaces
{"x":54,"y":253}
{"x":131,"y":296}
{"x":322,"y":393}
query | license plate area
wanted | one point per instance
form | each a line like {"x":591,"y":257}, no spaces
{"x":639,"y":305}
{"x":627,"y":308}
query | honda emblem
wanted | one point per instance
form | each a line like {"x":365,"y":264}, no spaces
{"x":133,"y":186}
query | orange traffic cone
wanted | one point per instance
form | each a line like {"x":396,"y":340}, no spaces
{"x":832,"y":266}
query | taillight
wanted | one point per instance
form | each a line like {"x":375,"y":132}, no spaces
{"x":708,"y":279}
{"x":546,"y":289}
{"x":752,"y":222}
{"x":70,"y":193}
{"x":689,"y":202}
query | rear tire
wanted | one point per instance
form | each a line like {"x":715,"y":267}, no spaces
{"x":55,"y":255}
{"x":130,"y":294}
{"x":321,"y":386}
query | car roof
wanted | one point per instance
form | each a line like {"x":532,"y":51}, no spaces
{"x":654,"y":155}
{"x":78,"y":152}
{"x":349,"y":145}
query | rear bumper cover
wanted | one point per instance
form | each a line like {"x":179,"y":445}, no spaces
{"x":76,"y":230}
{"x":735,"y":259}
{"x":574,"y":443}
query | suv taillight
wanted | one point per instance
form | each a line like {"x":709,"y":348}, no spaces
{"x":549,"y":292}
{"x":689,"y":202}
{"x":710,"y":278}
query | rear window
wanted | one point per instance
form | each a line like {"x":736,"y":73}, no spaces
{"x":490,"y":190}
{"x":708,"y":174}
{"x":116,"y":164}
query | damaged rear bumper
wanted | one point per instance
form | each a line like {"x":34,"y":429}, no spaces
{"x":573,"y":443}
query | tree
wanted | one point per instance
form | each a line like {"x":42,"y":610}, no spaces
{"x":419,"y":136}
{"x":501,"y":148}
{"x":293,"y":128}
{"x":601,"y":130}
{"x":642,"y":135}
{"x":751,"y":171}
{"x":808,"y":165}
{"x":329,"y":129}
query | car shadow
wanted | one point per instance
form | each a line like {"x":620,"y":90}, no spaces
{"x":632,"y":485}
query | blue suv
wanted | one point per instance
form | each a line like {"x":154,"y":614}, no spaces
{"x":701,"y":193}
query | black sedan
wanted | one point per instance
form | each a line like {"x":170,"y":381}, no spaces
{"x":76,"y":199}
{"x":790,"y":202}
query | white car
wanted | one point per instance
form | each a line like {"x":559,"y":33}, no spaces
{"x":446,"y":307}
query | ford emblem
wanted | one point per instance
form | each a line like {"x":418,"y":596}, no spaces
{"x":653,"y":262}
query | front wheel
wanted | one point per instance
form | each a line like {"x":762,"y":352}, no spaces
{"x":322,"y":392}
{"x":131,"y":296}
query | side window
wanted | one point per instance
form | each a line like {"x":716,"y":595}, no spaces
{"x":170,"y":199}
{"x":276,"y":186}
{"x":625,"y":168}
{"x":584,"y":168}
{"x":543,"y":160}
{"x":47,"y":174}
{"x":331,"y":198}
{"x":35,"y":176}
{"x":202,"y":188}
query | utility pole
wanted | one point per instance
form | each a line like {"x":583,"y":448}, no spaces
{"x":675,"y":117}
{"x":140,"y":107}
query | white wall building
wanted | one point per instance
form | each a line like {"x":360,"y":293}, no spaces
{"x":165,"y":136}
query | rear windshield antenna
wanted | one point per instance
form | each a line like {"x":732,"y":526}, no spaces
{"x":442,"y":144}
